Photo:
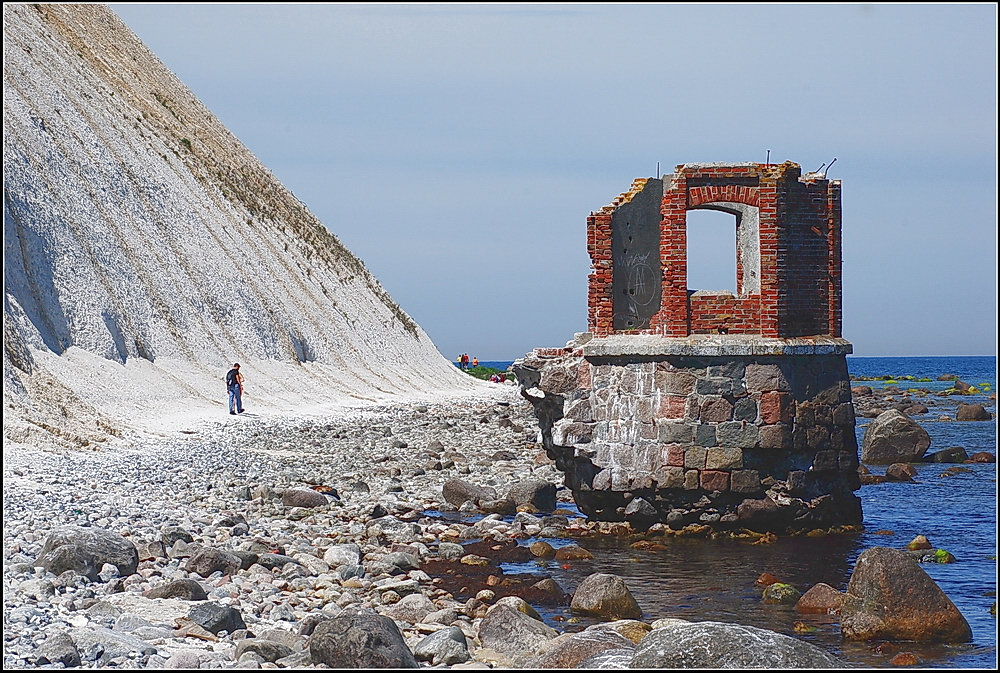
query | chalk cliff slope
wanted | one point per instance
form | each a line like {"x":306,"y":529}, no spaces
{"x":146,"y":249}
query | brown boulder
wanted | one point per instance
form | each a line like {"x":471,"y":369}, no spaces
{"x":972,"y":412}
{"x":982,"y":457}
{"x":303,"y":497}
{"x":891,"y":597}
{"x":900,"y":472}
{"x":572,"y":553}
{"x":209,"y":560}
{"x":606,"y":596}
{"x":570,"y":649}
{"x":820,"y":599}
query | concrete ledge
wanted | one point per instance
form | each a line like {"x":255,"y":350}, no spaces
{"x":713,"y":345}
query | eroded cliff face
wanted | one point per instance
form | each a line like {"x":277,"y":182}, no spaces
{"x":143,"y":241}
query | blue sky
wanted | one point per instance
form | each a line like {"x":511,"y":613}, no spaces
{"x":458,"y":149}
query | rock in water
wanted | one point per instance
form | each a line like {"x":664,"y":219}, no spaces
{"x":717,"y":645}
{"x":972,"y":412}
{"x":361,"y":640}
{"x":540,"y":494}
{"x":820,"y":599}
{"x":891,"y":597}
{"x":893,"y":437}
{"x":606,"y":596}
{"x":85,"y":550}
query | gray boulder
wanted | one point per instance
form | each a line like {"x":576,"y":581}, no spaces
{"x":85,"y":550}
{"x":268,"y":650}
{"x":445,"y":647}
{"x":605,"y":596}
{"x":412,"y":608}
{"x":113,"y":643}
{"x":509,"y":631}
{"x":215,"y":617}
{"x":572,"y":649}
{"x":891,"y":597}
{"x":360,"y":640}
{"x":458,"y":491}
{"x":953,"y":454}
{"x":58,"y":648}
{"x":894,"y":437}
{"x":539,"y":494}
{"x":617,"y":658}
{"x":188,"y":590}
{"x":714,"y":645}
{"x":303,"y":497}
{"x":209,"y":560}
{"x":342,"y":554}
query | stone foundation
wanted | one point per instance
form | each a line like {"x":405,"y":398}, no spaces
{"x":731,"y":431}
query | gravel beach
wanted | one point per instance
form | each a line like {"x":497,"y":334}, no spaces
{"x":255,"y":487}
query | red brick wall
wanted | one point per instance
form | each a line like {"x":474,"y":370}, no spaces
{"x":800,"y":255}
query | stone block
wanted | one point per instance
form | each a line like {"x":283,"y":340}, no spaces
{"x":673,"y":455}
{"x":670,"y":477}
{"x":824,"y":414}
{"x":649,"y":431}
{"x":737,"y":434}
{"x":714,"y":386}
{"x":819,"y":438}
{"x":843,"y":415}
{"x":620,"y":480}
{"x":805,"y":415}
{"x":585,"y":375}
{"x":671,"y":406}
{"x":644,"y":409}
{"x":694,"y":458}
{"x":733,"y":369}
{"x":745,"y":409}
{"x":800,"y":437}
{"x":776,"y":407}
{"x":837,"y":437}
{"x":764,"y":378}
{"x":797,"y":481}
{"x":825,"y":461}
{"x":847,"y":461}
{"x":723,"y":458}
{"x":704,"y":435}
{"x":714,"y":480}
{"x":775,"y":437}
{"x":745,"y":481}
{"x":676,"y":433}
{"x":691,"y":481}
{"x":674,"y":382}
{"x":716,"y":410}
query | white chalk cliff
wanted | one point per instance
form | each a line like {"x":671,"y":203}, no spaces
{"x":146,"y":249}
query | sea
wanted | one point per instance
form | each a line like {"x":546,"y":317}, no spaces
{"x":701,"y":580}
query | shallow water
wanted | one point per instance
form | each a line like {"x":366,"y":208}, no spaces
{"x":701,"y":580}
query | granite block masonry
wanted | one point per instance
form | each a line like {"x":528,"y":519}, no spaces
{"x":729,"y":409}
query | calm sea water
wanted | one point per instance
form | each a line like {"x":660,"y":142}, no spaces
{"x":714,"y":580}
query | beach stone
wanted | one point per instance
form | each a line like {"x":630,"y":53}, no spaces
{"x":445,"y":647}
{"x":713,"y":645}
{"x":209,"y":560}
{"x":542,"y":549}
{"x":303,"y":497}
{"x":820,"y":599}
{"x":606,"y":596}
{"x":918,"y":543}
{"x":411,"y":608}
{"x":188,"y":590}
{"x":272,"y":561}
{"x":982,"y":457}
{"x":900,"y":472}
{"x":572,"y":553}
{"x":360,"y":640}
{"x":40,"y":589}
{"x":538,"y":493}
{"x":58,"y":648}
{"x":86,"y":550}
{"x":780,"y":593}
{"x":520,"y":605}
{"x":502,"y":506}
{"x":114,"y":644}
{"x":893,"y":437}
{"x":972,"y":412}
{"x":569,"y":650}
{"x":891,"y":597}
{"x":342,"y":554}
{"x":171,"y":534}
{"x":151,"y":551}
{"x":450,"y":551}
{"x":214,"y":617}
{"x":954,"y":454}
{"x":458,"y":491}
{"x":506,"y":630}
{"x":401,"y":561}
{"x":268,"y":650}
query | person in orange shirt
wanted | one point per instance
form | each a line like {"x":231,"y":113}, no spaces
{"x":475,"y":362}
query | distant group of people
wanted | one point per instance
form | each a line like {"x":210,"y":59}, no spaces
{"x":463,"y":361}
{"x":498,"y":378}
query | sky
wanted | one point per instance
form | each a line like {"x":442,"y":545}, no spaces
{"x":458,"y":149}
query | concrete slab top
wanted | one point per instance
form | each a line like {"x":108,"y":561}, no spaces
{"x":713,"y":345}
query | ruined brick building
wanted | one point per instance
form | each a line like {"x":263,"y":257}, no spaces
{"x":731,"y":409}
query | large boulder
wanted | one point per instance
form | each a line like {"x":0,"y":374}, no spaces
{"x":605,"y":596}
{"x":821,"y":599}
{"x":215,"y":617}
{"x":510,"y":631}
{"x":567,"y":651}
{"x":360,"y":640}
{"x":718,"y":645}
{"x":894,"y":437}
{"x":188,"y":590}
{"x":303,"y":497}
{"x":953,"y":454}
{"x":458,"y":491}
{"x":540,"y":494}
{"x":891,"y":597}
{"x":972,"y":412}
{"x":209,"y":560}
{"x":85,"y":550}
{"x":445,"y":647}
{"x":411,"y":608}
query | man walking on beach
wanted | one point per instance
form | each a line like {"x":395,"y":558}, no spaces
{"x":234,"y":382}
